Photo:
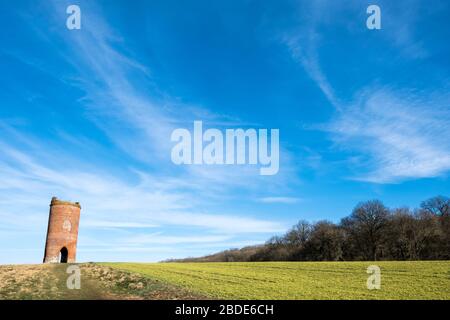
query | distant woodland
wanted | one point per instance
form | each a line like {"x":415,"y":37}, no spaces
{"x":371,"y":232}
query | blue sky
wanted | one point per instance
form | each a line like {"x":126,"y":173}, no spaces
{"x":86,"y":115}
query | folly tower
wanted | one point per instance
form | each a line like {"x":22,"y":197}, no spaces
{"x":62,"y":231}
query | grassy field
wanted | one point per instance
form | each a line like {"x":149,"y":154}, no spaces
{"x":265,"y":280}
{"x":302,"y":280}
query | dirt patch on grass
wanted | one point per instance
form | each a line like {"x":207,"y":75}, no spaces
{"x":28,"y":282}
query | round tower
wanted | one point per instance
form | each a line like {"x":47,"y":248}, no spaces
{"x":62,"y":232}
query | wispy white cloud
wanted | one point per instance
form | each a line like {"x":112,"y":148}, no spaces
{"x":108,"y":199}
{"x":158,"y":238}
{"x":303,"y":50}
{"x":400,"y":135}
{"x":285,"y":200}
{"x":116,"y":224}
{"x":123,"y":100}
{"x":391,"y":134}
{"x":304,"y":41}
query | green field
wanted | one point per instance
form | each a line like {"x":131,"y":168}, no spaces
{"x":302,"y":280}
{"x":259,"y":280}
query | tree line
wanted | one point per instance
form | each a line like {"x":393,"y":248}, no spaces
{"x":371,"y":232}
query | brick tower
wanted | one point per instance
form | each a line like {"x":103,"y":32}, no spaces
{"x":62,"y":232}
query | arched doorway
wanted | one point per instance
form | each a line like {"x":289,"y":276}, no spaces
{"x":63,"y":254}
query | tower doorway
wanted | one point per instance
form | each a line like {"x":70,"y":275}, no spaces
{"x":63,"y":254}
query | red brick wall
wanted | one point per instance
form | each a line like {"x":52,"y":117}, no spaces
{"x":62,"y":230}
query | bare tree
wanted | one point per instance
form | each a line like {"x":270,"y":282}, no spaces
{"x":401,"y":235}
{"x":299,"y":234}
{"x":439,"y":206}
{"x":325,"y":242}
{"x":365,"y":226}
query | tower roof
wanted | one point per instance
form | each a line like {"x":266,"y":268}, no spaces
{"x":55,"y":201}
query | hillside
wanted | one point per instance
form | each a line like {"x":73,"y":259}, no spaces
{"x":231,"y":255}
{"x":49,"y":281}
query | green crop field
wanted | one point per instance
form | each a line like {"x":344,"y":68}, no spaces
{"x":302,"y":280}
{"x":261,"y":280}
